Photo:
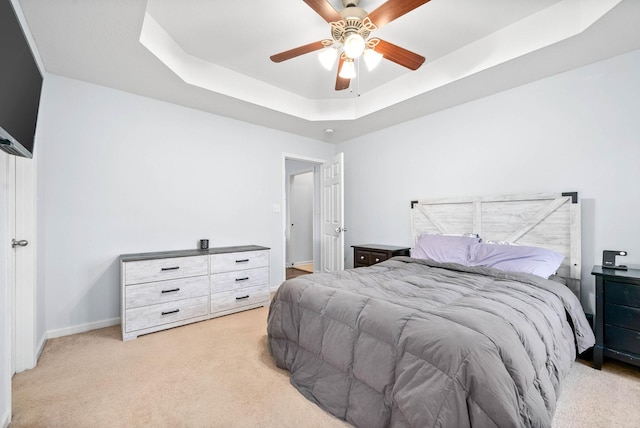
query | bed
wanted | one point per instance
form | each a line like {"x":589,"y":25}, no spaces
{"x":425,"y":342}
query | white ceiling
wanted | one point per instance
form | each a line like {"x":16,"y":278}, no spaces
{"x":213,"y":55}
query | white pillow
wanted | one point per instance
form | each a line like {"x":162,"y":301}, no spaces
{"x":516,"y":258}
{"x":444,"y":248}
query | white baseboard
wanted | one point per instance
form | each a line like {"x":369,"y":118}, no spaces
{"x":82,"y":328}
{"x":308,"y":262}
{"x":40,"y":347}
{"x":6,"y":418}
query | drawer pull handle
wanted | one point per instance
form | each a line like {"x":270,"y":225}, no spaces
{"x":171,"y":268}
{"x":243,"y":297}
{"x":361,"y":257}
{"x":173,"y":290}
{"x":377,"y":260}
{"x":242,"y":279}
{"x":242,"y":261}
{"x":175,"y":311}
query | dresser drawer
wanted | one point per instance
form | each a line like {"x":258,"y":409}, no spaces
{"x":152,"y":293}
{"x":165,"y":313}
{"x":623,"y":294}
{"x":227,"y":281}
{"x":238,"y":261}
{"x":230,"y":300}
{"x":622,"y":316}
{"x":137,"y":272}
{"x":622,"y":339}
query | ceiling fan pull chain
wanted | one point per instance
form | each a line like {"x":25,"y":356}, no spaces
{"x":358,"y":80}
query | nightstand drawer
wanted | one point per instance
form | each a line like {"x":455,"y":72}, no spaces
{"x":362,"y":257}
{"x":622,"y":316}
{"x":623,"y":294}
{"x":162,"y":269}
{"x":376,"y":257}
{"x":622,"y":339}
{"x":370,"y":254}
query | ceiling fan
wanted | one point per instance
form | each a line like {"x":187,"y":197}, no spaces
{"x":350,"y":30}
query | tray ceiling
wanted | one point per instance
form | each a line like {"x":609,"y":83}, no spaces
{"x":214,"y":55}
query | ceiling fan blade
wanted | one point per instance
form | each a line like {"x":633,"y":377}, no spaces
{"x":393,"y":9}
{"x":300,"y":50}
{"x":324,"y":9}
{"x":341,"y":82}
{"x":399,"y":55}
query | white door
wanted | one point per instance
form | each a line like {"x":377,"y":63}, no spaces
{"x":333,"y":215}
{"x":21,"y":260}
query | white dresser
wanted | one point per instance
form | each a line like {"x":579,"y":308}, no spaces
{"x":172,"y":288}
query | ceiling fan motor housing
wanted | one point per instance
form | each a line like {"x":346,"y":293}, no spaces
{"x":350,"y":30}
{"x":354,"y":21}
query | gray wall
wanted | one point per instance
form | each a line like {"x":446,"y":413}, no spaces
{"x":126,"y":174}
{"x":577,"y":131}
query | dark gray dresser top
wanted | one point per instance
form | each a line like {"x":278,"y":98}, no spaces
{"x":187,"y":253}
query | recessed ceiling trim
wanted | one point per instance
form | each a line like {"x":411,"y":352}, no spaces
{"x":558,"y":22}
{"x":206,"y":75}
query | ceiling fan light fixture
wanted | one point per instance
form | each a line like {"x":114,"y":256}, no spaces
{"x":328,"y":57}
{"x":371,"y":58}
{"x":354,"y":45}
{"x":348,"y":70}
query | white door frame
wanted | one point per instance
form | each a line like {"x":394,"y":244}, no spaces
{"x":292,"y":156}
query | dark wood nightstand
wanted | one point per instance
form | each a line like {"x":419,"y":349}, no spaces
{"x":370,"y":254}
{"x":617,"y":317}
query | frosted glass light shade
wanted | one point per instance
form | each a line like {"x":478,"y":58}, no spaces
{"x":354,"y":45}
{"x":371,"y":58}
{"x":328,"y":57}
{"x":348,"y":70}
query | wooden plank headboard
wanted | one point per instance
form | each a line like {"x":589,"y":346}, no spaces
{"x":542,"y":220}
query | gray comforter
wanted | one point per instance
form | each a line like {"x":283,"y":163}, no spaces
{"x":414,"y":343}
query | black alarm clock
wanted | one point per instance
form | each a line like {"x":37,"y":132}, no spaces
{"x":609,"y":259}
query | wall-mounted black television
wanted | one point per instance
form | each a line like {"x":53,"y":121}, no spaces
{"x":20,"y":86}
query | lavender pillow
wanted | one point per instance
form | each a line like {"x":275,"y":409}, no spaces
{"x":516,"y":258}
{"x":444,"y":248}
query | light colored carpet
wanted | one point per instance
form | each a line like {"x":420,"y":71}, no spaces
{"x":219,"y":373}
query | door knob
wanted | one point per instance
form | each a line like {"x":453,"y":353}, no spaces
{"x":341,"y":229}
{"x":21,"y":243}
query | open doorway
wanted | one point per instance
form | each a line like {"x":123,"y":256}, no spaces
{"x":328,"y":210}
{"x":302,"y":216}
{"x":300,"y":224}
